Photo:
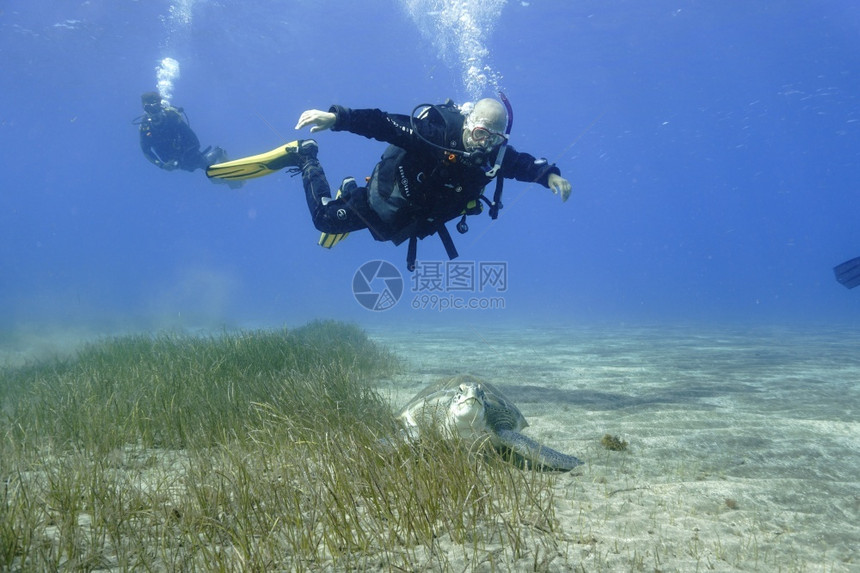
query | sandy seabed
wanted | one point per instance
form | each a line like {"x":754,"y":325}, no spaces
{"x":743,"y":443}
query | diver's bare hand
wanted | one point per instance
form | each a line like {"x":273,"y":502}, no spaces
{"x":559,"y":186}
{"x":320,"y":120}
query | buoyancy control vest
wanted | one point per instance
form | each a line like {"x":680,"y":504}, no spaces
{"x":416,"y":195}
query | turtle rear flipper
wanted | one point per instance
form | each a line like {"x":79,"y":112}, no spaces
{"x":536,"y":455}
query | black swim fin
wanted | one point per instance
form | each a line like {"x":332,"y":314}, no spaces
{"x":848,"y":273}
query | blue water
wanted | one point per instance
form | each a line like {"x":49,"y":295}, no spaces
{"x":712,"y":146}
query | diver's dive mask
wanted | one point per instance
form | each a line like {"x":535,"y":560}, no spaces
{"x":479,"y":136}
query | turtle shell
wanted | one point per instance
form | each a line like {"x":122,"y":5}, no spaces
{"x":433,"y":401}
{"x":501,"y":421}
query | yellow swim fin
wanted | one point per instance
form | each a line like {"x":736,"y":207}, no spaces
{"x":328,"y":240}
{"x":256,"y":165}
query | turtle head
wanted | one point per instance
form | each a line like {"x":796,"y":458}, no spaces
{"x":466,"y":412}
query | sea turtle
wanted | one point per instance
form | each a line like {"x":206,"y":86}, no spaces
{"x":475,"y":410}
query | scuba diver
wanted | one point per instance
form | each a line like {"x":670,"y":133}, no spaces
{"x":167,"y":139}
{"x":438,"y":162}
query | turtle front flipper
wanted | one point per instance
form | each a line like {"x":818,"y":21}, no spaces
{"x":535,"y":454}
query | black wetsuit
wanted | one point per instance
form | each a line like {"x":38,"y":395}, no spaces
{"x":165,"y":137}
{"x":416,"y":186}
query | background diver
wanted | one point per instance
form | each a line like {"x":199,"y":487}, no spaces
{"x":167,"y":139}
{"x":435,"y":169}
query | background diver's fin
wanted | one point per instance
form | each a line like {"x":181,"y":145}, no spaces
{"x":848,"y":273}
{"x":256,"y":165}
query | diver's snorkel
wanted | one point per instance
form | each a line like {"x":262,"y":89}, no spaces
{"x":501,"y":155}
